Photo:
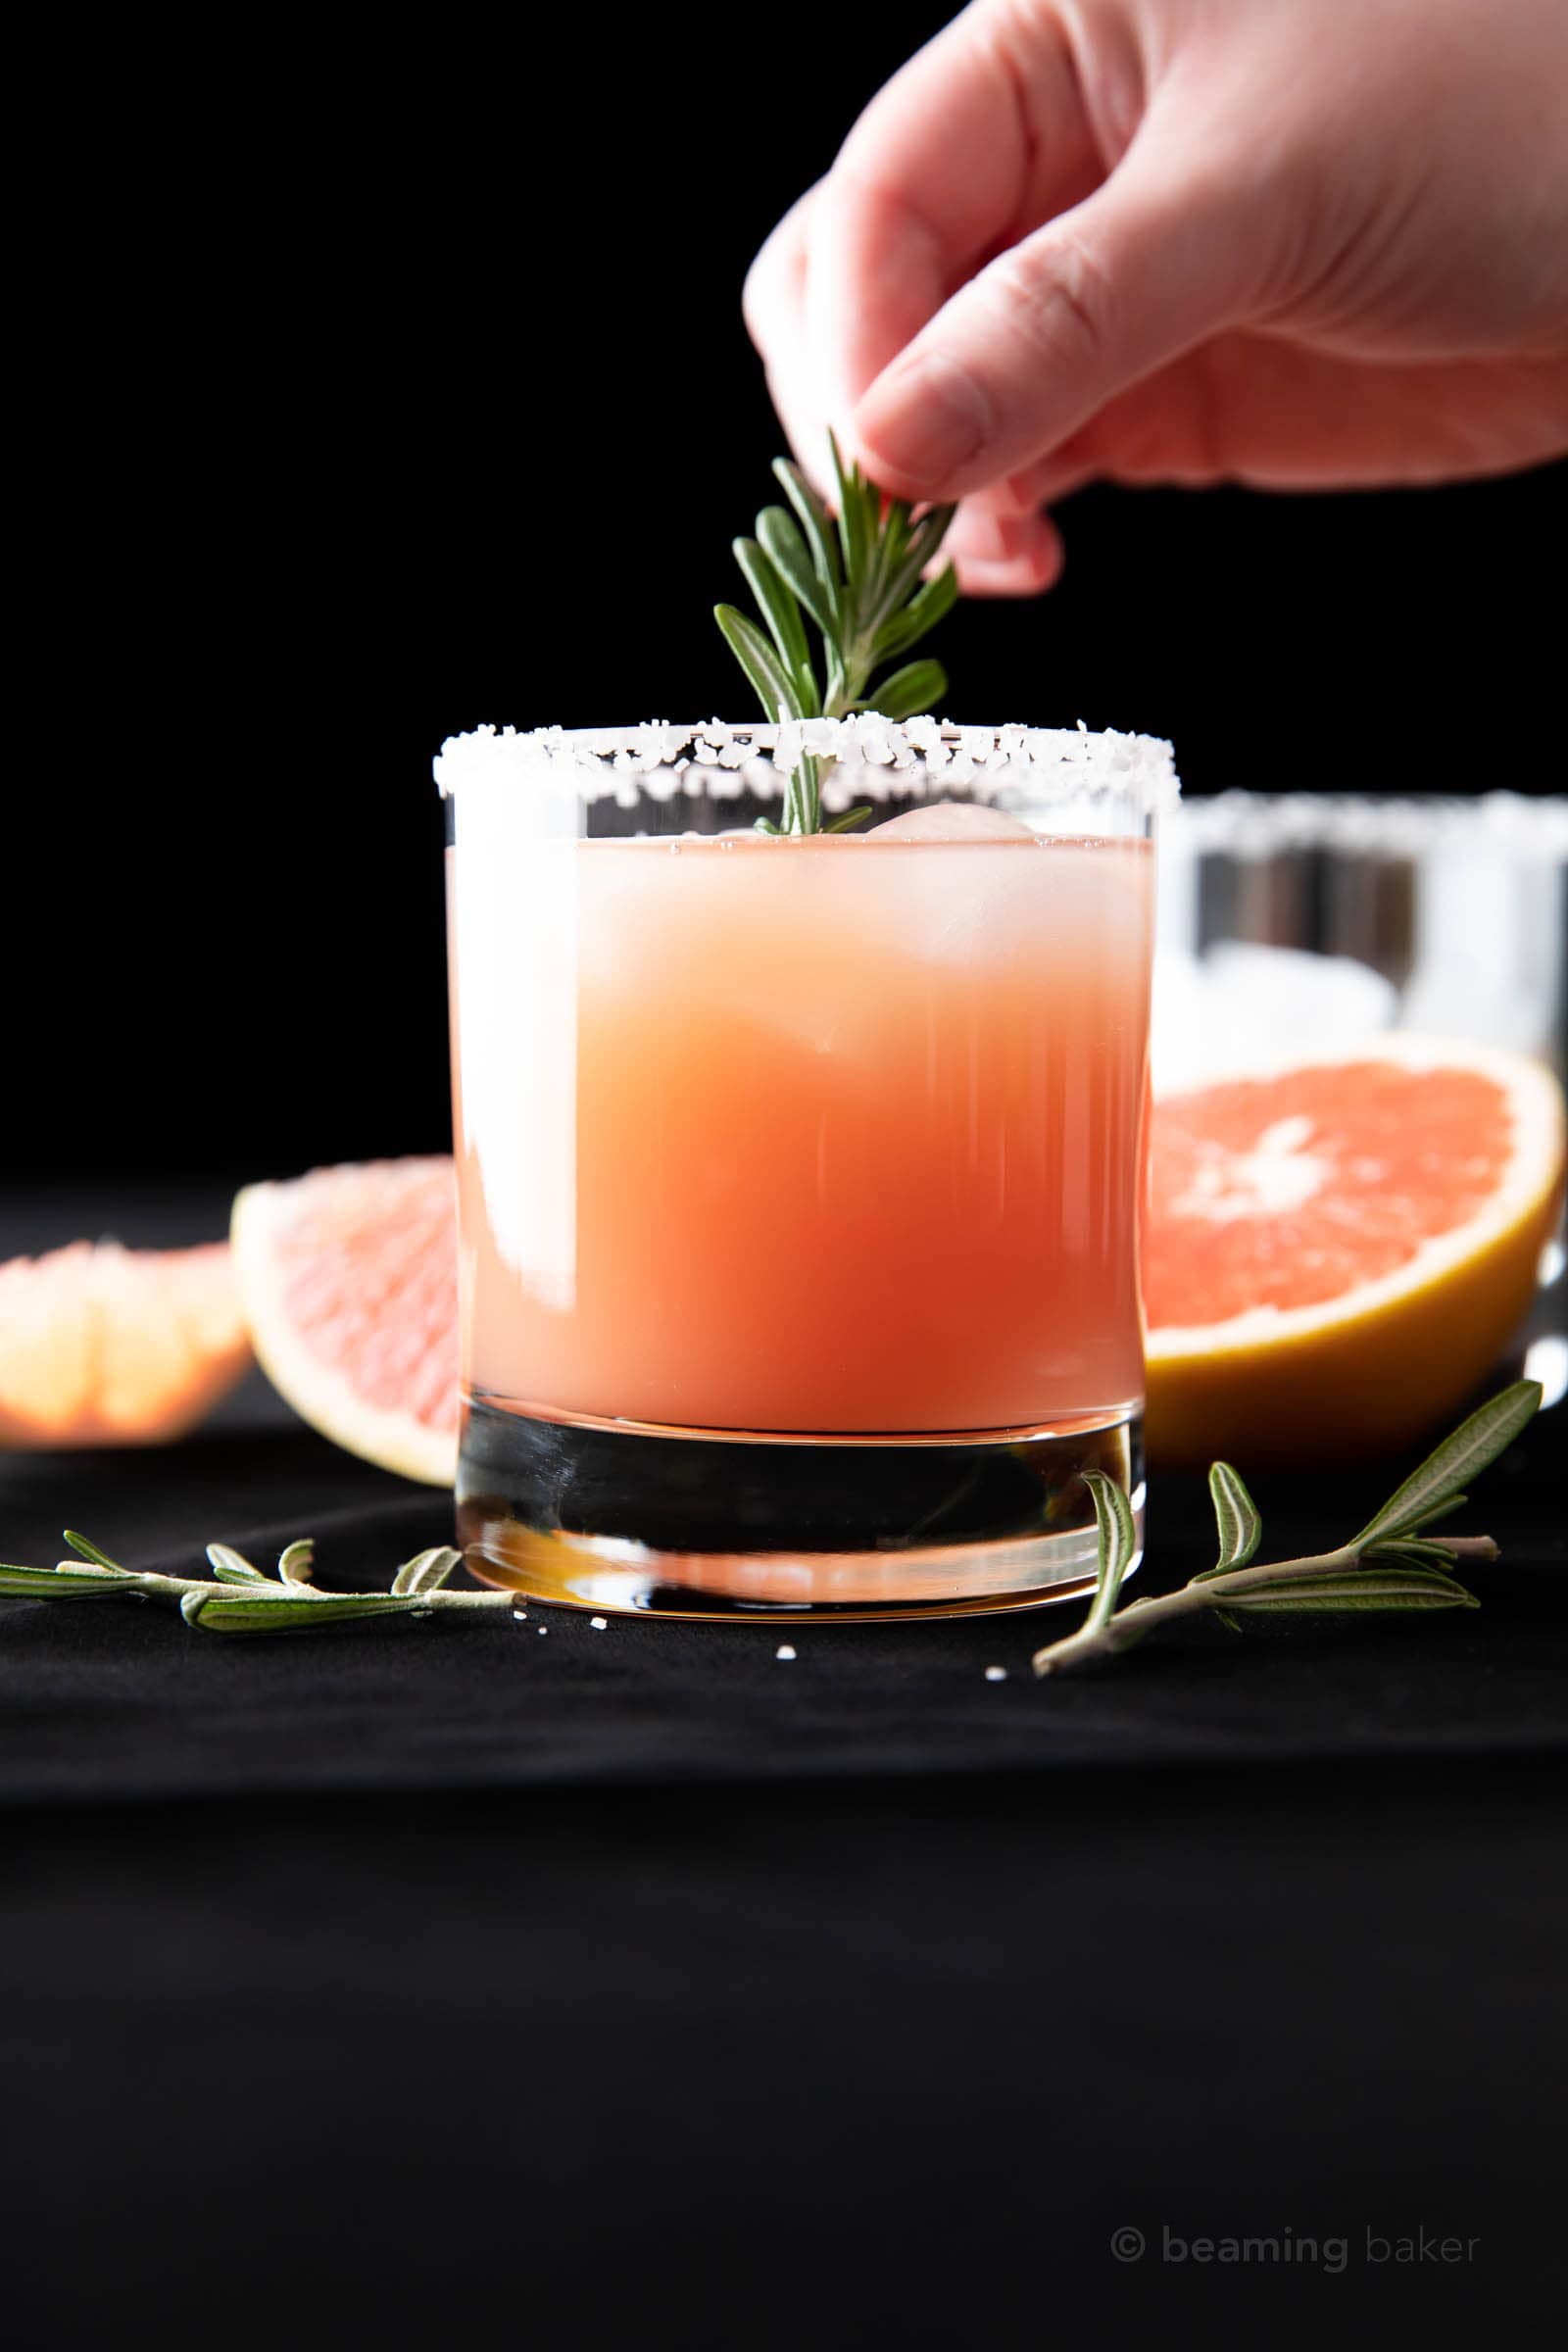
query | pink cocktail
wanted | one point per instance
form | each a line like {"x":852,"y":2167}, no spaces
{"x":799,"y":1179}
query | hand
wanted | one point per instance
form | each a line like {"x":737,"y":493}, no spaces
{"x":1297,"y":243}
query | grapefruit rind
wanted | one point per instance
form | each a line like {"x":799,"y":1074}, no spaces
{"x":1381,"y":1364}
{"x":317,"y":1391}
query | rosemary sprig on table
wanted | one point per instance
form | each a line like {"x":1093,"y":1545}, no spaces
{"x":1391,"y":1564}
{"x":239,"y":1599}
{"x":1394,"y":1563}
{"x":861,"y":584}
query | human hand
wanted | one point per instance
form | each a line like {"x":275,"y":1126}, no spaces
{"x":1309,"y":245}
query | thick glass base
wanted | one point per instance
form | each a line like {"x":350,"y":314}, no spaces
{"x":725,"y":1524}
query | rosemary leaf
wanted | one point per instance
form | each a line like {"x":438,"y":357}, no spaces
{"x":910,"y":690}
{"x":427,"y":1571}
{"x":50,"y":1584}
{"x":857,"y":533}
{"x":785,"y":551}
{"x":1471,"y":1448}
{"x":1118,"y":1541}
{"x":934,"y":600}
{"x":919,"y":552}
{"x":783,"y":617}
{"x":1414,"y":1548}
{"x":1236,"y":1516}
{"x":818,"y":531}
{"x":760,"y":662}
{"x":232,"y":1568}
{"x":88,"y":1551}
{"x":295,"y":1563}
{"x":1356,"y":1589}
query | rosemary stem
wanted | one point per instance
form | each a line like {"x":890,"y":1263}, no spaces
{"x":1103,"y":1642}
{"x":1212,"y":1592}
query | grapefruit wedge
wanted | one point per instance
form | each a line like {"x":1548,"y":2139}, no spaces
{"x":1338,"y":1250}
{"x":101,"y":1346}
{"x":349,"y":1282}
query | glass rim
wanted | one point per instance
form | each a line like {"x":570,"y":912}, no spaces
{"x":1052,"y":764}
{"x":1250,"y":826}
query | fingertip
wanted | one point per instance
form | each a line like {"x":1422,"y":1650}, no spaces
{"x":1011,"y":496}
{"x":979,"y":531}
{"x":920,"y":427}
{"x":1030,"y":573}
{"x":1049,"y":478}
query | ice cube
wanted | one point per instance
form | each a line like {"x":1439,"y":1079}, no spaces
{"x":952,"y":820}
{"x":1244,"y":1002}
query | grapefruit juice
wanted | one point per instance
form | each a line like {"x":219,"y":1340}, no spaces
{"x":852,"y":1129}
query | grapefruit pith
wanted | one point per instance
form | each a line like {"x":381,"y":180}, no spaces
{"x":1337,"y":1250}
{"x":101,"y":1346}
{"x":349,"y":1280}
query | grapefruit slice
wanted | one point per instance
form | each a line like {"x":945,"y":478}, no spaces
{"x":101,"y":1346}
{"x":1338,"y":1250}
{"x":349,"y":1282}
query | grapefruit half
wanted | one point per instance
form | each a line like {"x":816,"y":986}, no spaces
{"x":101,"y":1346}
{"x":1338,"y":1250}
{"x":349,"y":1282}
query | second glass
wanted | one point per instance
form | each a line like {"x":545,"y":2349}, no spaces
{"x":799,"y":1179}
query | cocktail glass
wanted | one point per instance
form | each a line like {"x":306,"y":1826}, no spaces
{"x":799,"y":1179}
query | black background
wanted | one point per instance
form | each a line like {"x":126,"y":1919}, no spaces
{"x":388,"y":394}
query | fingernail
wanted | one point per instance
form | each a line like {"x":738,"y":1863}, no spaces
{"x":924,"y":421}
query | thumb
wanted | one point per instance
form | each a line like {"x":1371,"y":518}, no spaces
{"x":1168,"y":252}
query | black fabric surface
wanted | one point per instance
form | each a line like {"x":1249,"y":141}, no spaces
{"x":840,"y":2065}
{"x":590,"y":1989}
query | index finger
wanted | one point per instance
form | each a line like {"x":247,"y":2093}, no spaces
{"x":973,"y":142}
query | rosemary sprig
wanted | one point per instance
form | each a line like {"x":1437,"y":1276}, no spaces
{"x":860,"y":585}
{"x":238,"y":1598}
{"x":1391,"y":1564}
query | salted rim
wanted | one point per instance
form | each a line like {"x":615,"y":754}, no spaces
{"x":1262,"y":824}
{"x":1533,"y":1171}
{"x":1059,"y":763}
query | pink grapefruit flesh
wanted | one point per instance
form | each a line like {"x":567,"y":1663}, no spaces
{"x":101,"y":1346}
{"x":349,"y":1282}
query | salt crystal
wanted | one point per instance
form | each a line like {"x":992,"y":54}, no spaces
{"x":996,"y":1674}
{"x":785,"y":1649}
{"x":599,"y":1624}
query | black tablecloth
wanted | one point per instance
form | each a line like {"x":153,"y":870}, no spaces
{"x":600,"y":1981}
